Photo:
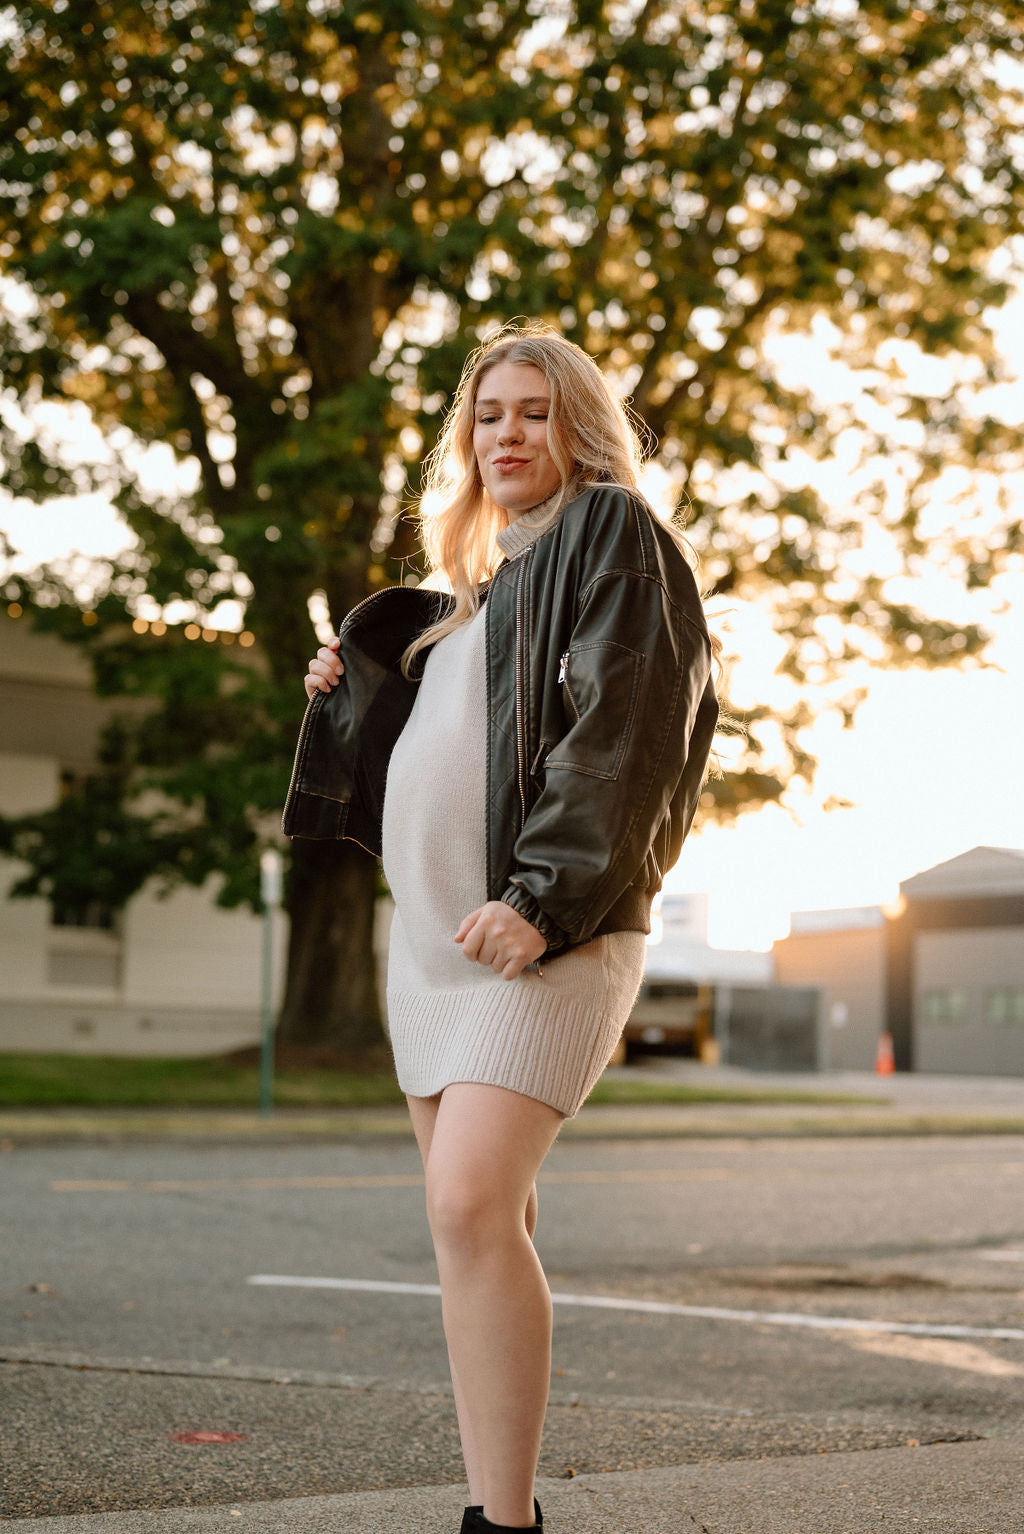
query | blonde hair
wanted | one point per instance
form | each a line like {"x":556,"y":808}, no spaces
{"x":591,"y":438}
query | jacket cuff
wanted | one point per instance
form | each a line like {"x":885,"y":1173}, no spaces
{"x":520,"y":900}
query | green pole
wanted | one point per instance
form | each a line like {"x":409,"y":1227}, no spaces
{"x":270,"y":893}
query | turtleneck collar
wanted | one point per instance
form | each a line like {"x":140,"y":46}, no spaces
{"x":528,"y":527}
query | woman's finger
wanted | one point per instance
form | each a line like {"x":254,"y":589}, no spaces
{"x":472,"y":938}
{"x":330,"y":670}
{"x":319,"y":679}
{"x":466,"y":924}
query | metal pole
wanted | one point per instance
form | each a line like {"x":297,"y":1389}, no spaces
{"x":270,"y":895}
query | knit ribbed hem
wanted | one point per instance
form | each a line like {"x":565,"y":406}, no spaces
{"x":512,"y":1034}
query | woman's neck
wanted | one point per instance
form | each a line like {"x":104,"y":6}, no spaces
{"x":547,"y":504}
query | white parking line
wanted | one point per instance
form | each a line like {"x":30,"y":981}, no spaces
{"x":663,"y":1308}
{"x":1001,"y":1256}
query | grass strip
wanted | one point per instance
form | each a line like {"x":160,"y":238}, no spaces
{"x":94,"y":1081}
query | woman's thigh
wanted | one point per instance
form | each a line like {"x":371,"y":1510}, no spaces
{"x":486,"y":1146}
{"x":423,"y":1112}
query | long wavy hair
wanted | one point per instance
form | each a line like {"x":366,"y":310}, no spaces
{"x":590,"y":436}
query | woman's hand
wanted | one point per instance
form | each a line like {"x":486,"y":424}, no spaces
{"x":325,"y":670}
{"x":498,"y":936}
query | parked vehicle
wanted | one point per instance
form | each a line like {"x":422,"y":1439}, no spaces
{"x":672,"y":1015}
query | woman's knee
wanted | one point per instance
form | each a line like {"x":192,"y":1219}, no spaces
{"x":467,"y":1212}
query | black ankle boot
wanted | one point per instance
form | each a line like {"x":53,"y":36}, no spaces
{"x":482,"y":1525}
{"x":469,"y":1517}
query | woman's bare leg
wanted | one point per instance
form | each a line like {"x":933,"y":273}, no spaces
{"x":485,"y":1150}
{"x":423,"y":1112}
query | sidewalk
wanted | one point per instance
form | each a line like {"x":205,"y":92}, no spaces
{"x":958,"y":1488}
{"x":907,"y":1090}
{"x":896,"y":1105}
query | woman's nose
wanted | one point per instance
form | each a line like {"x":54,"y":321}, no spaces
{"x":510,"y":431}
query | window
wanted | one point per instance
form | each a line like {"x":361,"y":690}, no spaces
{"x":91,"y":914}
{"x":944,"y":1006}
{"x":1005,"y":1004}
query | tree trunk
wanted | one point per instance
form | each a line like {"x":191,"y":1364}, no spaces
{"x":331,"y":1000}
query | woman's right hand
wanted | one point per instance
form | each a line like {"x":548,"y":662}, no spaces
{"x":325,"y":670}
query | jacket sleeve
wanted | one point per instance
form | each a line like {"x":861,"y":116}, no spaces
{"x":607,"y":785}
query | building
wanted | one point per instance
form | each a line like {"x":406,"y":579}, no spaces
{"x":720,"y":1003}
{"x":678,"y":948}
{"x":955,"y":966}
{"x":174,"y":976}
{"x":843,"y":954}
{"x":942,"y":971}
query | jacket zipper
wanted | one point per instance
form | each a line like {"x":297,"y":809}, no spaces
{"x":521,"y":687}
{"x":360,"y":606}
{"x":563,"y":666}
{"x":314,"y":705}
{"x":316,"y":702}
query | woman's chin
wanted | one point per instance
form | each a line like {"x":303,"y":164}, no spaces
{"x":515,"y":504}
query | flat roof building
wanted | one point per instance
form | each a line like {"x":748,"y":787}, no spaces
{"x":955,"y":966}
{"x":942,"y":972}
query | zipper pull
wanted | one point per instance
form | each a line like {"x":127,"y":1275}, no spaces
{"x":563,"y":666}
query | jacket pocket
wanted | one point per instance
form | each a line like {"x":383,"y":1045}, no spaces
{"x":601,"y":689}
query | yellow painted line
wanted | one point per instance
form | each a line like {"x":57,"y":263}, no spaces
{"x":213,"y":1184}
{"x":670,"y":1174}
{"x":397,"y":1180}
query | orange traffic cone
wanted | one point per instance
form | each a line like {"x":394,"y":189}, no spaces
{"x":885,"y":1062}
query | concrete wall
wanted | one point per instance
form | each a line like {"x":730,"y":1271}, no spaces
{"x":971,"y":963}
{"x":96,"y":1026}
{"x":179,"y":976}
{"x":848,"y":966}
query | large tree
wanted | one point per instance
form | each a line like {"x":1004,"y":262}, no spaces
{"x":263,"y":237}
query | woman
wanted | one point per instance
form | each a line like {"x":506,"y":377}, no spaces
{"x":526,"y":753}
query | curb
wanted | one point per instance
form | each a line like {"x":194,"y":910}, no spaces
{"x":946,"y":1488}
{"x":21,"y":1127}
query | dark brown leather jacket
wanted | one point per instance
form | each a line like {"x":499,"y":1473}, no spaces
{"x":600,"y":718}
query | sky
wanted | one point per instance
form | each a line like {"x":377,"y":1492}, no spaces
{"x":931,"y":767}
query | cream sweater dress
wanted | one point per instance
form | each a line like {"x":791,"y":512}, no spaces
{"x":547,"y":1035}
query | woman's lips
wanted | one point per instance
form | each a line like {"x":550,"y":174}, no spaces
{"x":510,"y":465}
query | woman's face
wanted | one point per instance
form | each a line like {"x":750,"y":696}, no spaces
{"x":510,"y":437}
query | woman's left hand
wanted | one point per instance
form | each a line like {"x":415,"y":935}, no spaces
{"x":498,"y":936}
